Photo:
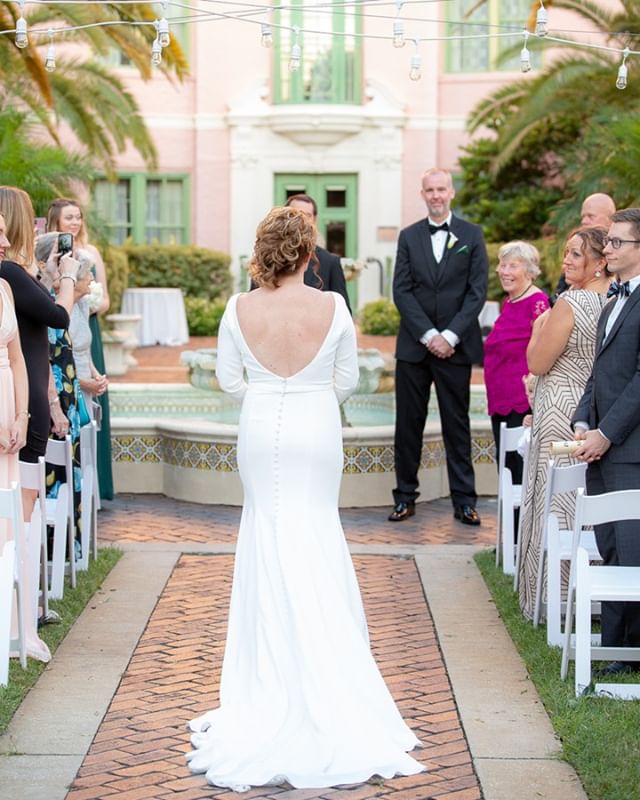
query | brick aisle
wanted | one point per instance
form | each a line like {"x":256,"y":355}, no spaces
{"x":156,"y":518}
{"x":174,"y":672}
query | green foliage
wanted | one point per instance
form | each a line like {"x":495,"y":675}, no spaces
{"x":599,"y":736}
{"x":42,"y":170}
{"x":117,"y":266}
{"x":379,"y":318}
{"x":203,"y":316}
{"x":199,"y":272}
{"x":69,"y":609}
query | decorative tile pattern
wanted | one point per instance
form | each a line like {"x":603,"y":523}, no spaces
{"x":222,"y":457}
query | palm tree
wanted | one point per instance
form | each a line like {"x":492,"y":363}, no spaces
{"x":579,"y":86}
{"x":84,"y":92}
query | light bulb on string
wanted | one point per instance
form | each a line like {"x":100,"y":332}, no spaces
{"x":22,"y":40}
{"x":398,"y":27}
{"x":416,"y":64}
{"x":296,"y":53}
{"x":266,"y":34}
{"x":621,"y":80}
{"x":541,"y":21}
{"x":50,"y":60}
{"x":156,"y":53}
{"x":162,"y":27}
{"x":525,"y":55}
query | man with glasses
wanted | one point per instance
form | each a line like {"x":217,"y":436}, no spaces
{"x":607,"y":421}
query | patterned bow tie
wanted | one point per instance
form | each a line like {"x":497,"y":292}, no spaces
{"x":435,"y":228}
{"x":619,"y":289}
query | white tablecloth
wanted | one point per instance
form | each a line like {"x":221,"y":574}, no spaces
{"x":163,"y":317}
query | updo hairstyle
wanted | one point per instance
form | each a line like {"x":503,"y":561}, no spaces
{"x":285,"y":239}
{"x":593,"y":243}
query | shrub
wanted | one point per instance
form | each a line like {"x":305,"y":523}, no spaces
{"x":379,"y":318}
{"x":199,"y":272}
{"x":116,"y":264}
{"x":203,"y":316}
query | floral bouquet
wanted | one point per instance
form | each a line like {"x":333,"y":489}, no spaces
{"x":351,"y":268}
{"x":95,"y":295}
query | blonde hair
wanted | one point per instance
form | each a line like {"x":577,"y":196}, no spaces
{"x":285,"y":239}
{"x":54,"y":212}
{"x":17,"y":210}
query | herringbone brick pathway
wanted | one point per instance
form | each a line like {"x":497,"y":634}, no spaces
{"x":156,"y":518}
{"x":138,"y":752}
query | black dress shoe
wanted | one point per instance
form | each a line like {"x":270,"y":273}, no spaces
{"x":402,"y":511}
{"x":467,"y":514}
{"x":614,"y":668}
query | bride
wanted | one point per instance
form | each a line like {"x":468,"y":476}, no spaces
{"x":301,"y":698}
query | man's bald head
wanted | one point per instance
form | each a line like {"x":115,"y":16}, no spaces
{"x":597,"y":209}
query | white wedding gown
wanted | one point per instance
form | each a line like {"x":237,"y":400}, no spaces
{"x":301,"y":697}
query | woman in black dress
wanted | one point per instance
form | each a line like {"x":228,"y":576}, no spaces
{"x":35,"y":311}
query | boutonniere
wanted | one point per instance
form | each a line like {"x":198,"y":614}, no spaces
{"x":463,"y":249}
{"x":452,"y":240}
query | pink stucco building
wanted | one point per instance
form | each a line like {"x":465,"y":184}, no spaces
{"x":348,"y":127}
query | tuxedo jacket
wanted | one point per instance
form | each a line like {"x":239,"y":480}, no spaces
{"x":611,"y":399}
{"x":329,"y":270}
{"x":448,"y":295}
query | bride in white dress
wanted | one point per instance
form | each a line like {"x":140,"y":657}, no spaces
{"x":301,"y":697}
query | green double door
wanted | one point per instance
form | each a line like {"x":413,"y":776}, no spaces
{"x":337,"y":200}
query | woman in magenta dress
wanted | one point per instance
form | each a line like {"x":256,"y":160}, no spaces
{"x":505,"y":349}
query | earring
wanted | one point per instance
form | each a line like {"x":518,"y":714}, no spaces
{"x":598,"y":273}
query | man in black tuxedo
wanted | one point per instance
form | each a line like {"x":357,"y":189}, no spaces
{"x":328,"y":269}
{"x":439,"y":287}
{"x":607,"y":420}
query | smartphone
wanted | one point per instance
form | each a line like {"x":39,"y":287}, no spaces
{"x":65,"y":243}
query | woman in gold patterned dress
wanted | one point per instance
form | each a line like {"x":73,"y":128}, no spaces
{"x":560,"y":352}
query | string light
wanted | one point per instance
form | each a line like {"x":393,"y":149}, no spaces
{"x":156,"y":53}
{"x":296,"y":52}
{"x":621,"y":81}
{"x":541,"y":21}
{"x":525,"y":56}
{"x":22,"y":40}
{"x":50,"y":60}
{"x":266,"y":34}
{"x":416,"y":63}
{"x":162,"y":27}
{"x":398,"y":27}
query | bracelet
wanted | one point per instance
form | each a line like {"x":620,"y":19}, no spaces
{"x":70,"y":277}
{"x":26,"y":414}
{"x":54,"y":401}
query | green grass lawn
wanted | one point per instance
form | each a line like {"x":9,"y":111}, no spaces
{"x":600,"y":737}
{"x":69,"y":608}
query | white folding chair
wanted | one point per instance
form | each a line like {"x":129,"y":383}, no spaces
{"x":555,"y":547}
{"x":33,"y":476}
{"x":589,"y":583}
{"x":525,"y":472}
{"x":97,"y":418}
{"x":89,"y":511}
{"x":509,"y":498}
{"x":60,"y":514}
{"x":10,"y":583}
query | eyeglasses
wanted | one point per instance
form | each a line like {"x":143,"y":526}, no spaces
{"x":617,"y":243}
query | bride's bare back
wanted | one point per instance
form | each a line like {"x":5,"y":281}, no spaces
{"x":285,"y":327}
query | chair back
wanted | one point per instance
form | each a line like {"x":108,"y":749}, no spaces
{"x":11,"y":509}
{"x":609,"y":507}
{"x":33,"y":476}
{"x":561,"y":480}
{"x":509,"y":438}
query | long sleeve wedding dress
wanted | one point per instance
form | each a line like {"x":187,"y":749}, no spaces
{"x":301,"y":697}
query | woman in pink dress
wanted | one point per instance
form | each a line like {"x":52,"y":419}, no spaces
{"x":14,"y":417}
{"x":505,"y":349}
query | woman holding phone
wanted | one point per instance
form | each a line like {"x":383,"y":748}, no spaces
{"x":67,"y":216}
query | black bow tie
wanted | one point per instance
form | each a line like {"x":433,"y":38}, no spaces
{"x":435,"y":228}
{"x":619,"y":289}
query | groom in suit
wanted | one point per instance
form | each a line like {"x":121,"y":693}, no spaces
{"x":439,"y":287}
{"x":328,"y":268}
{"x":607,"y":420}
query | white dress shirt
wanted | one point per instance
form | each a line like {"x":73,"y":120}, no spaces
{"x":622,"y":299}
{"x":438,"y":243}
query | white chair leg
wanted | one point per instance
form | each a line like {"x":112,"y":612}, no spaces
{"x":60,"y":538}
{"x":508,"y":544}
{"x":7,"y":570}
{"x":499,"y":533}
{"x":583,"y":625}
{"x":542,"y":561}
{"x":568,"y":627}
{"x":554,"y":594}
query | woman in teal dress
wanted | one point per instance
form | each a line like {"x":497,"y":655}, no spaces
{"x":67,"y":216}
